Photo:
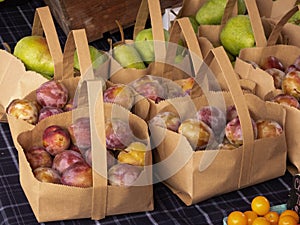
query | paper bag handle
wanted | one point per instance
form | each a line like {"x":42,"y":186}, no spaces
{"x":90,"y":104}
{"x":99,"y":159}
{"x":153,"y":8}
{"x":43,"y":24}
{"x":239,"y":100}
{"x":255,"y":19}
{"x":273,"y":37}
{"x":77,"y":40}
{"x":183,"y":26}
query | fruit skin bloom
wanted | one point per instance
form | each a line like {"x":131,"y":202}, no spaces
{"x":123,"y":174}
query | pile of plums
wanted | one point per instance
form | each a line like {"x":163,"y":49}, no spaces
{"x":214,"y":128}
{"x":285,"y":78}
{"x":151,"y":87}
{"x":52,"y":97}
{"x":58,"y":160}
{"x":65,"y":154}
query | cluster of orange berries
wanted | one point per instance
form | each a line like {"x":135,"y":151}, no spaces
{"x":261,"y":214}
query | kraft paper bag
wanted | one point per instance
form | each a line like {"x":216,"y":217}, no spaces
{"x":265,"y":88}
{"x":258,"y":55}
{"x":53,"y":202}
{"x":289,"y":32}
{"x":274,"y":9}
{"x":13,"y":71}
{"x":66,"y":77}
{"x":195,"y":176}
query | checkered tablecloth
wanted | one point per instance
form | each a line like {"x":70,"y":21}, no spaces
{"x":15,"y":23}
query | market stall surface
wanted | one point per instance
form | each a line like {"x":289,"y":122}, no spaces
{"x":15,"y":23}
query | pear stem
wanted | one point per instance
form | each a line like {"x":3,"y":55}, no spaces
{"x":121,"y":31}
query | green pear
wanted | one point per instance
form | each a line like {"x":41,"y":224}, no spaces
{"x":237,"y":34}
{"x":128,"y":56}
{"x":97,"y":57}
{"x":33,"y":51}
{"x":295,"y":19}
{"x":144,"y":44}
{"x":242,"y":9}
{"x":211,"y":12}
{"x":194,"y":23}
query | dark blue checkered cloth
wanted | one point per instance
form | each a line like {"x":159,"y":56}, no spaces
{"x":15,"y":23}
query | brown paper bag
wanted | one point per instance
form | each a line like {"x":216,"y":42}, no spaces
{"x":265,"y":84}
{"x":51,"y":202}
{"x":13,"y":71}
{"x":66,"y":77}
{"x":257,"y":55}
{"x":289,"y":32}
{"x":274,"y":9}
{"x":195,"y":176}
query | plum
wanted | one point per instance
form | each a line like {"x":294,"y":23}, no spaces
{"x":157,"y":88}
{"x":167,"y":120}
{"x":38,"y":157}
{"x":48,"y":175}
{"x":287,"y":100}
{"x":74,"y":148}
{"x":70,"y":105}
{"x":290,"y":68}
{"x":231,"y":113}
{"x":268,"y":128}
{"x":213,"y":116}
{"x":149,"y":88}
{"x":80,"y":133}
{"x":134,"y":154}
{"x":277,"y":75}
{"x":65,"y":159}
{"x":187,"y":85}
{"x":198,"y":133}
{"x":295,"y":66}
{"x":52,"y":93}
{"x":48,"y":111}
{"x":24,"y":109}
{"x":226,"y":145}
{"x":233,"y":131}
{"x":272,"y":62}
{"x":79,"y":175}
{"x":253,"y":64}
{"x":123,"y":174}
{"x":111,"y":160}
{"x":291,"y":84}
{"x":120,"y":94}
{"x":118,"y":134}
{"x":56,"y":139}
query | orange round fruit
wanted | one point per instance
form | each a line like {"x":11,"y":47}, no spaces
{"x":237,"y":218}
{"x":287,"y":220}
{"x":272,"y":217}
{"x":291,"y":213}
{"x":261,"y":221}
{"x":251,"y":216}
{"x":260,"y":205}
